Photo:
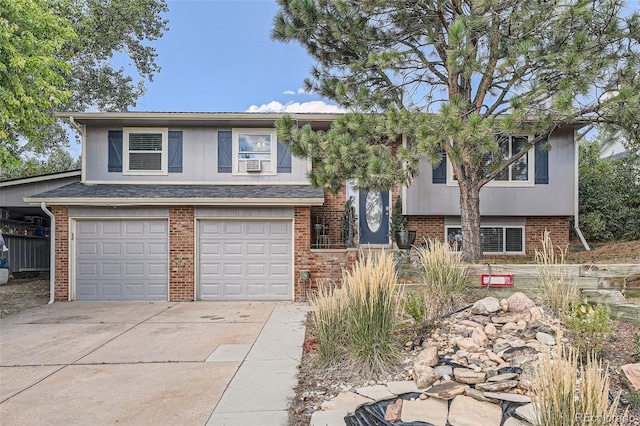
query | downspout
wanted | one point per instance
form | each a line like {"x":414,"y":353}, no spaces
{"x":576,"y":187}
{"x":52,"y":259}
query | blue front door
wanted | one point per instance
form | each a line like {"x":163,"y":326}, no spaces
{"x":374,"y":217}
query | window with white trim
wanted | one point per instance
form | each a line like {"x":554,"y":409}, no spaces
{"x":145,"y":151}
{"x":495,"y":239}
{"x":254,"y":151}
{"x":520,"y":173}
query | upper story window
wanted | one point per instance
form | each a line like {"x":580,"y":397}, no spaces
{"x":145,"y":151}
{"x":520,"y":173}
{"x":254,"y":151}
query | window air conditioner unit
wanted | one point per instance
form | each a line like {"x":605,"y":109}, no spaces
{"x":254,"y":165}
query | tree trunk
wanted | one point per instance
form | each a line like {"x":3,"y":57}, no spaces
{"x":470,"y":221}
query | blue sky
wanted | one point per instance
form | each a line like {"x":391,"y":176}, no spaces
{"x":218,"y":56}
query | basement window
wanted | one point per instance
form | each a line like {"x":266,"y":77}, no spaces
{"x":495,"y":239}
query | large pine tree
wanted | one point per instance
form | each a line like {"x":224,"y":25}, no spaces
{"x":455,"y":75}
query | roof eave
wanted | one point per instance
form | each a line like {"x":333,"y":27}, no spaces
{"x":74,"y":201}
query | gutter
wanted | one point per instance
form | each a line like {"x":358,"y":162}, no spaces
{"x":576,"y":171}
{"x":52,"y":260}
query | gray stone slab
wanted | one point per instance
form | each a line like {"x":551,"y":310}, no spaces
{"x":252,"y":418}
{"x":229,"y":353}
{"x":327,"y":418}
{"x":402,"y":387}
{"x":430,"y":410}
{"x":346,"y":403}
{"x":376,"y":392}
{"x":260,"y":386}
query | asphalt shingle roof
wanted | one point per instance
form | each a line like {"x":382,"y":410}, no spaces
{"x":107,"y":191}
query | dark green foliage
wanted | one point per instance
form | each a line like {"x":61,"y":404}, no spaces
{"x":398,"y":221}
{"x":609,"y":196}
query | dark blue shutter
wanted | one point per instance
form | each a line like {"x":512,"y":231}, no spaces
{"x":225,"y":160}
{"x":115,"y":150}
{"x":440,"y":172}
{"x":284,"y":158}
{"x":542,"y":164}
{"x":175,"y":151}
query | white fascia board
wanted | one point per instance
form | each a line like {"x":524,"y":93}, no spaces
{"x":43,"y":178}
{"x":177,"y":201}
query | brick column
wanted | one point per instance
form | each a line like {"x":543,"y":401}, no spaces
{"x":301,"y":247}
{"x":181,"y":254}
{"x":61,"y":250}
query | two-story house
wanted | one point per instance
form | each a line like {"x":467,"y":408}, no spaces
{"x":210,"y":206}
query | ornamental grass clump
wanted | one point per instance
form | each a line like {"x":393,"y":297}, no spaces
{"x":557,"y":290}
{"x":329,"y":316}
{"x":371,"y":294}
{"x":568,"y":393}
{"x":355,"y":324}
{"x":444,"y":276}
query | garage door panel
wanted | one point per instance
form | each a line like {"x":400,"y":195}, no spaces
{"x":122,"y":260}
{"x":245,"y":260}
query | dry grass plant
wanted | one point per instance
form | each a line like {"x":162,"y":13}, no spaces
{"x":355,"y":324}
{"x":557,"y":289}
{"x":568,"y":393}
{"x":445,"y":279}
{"x":329,"y":315}
{"x":372,"y":297}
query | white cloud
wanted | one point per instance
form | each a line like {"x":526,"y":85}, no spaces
{"x":312,"y":106}
{"x":301,"y":91}
{"x":288,"y":92}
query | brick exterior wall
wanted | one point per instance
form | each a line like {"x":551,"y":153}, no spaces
{"x":181,"y":254}
{"x":558,"y":227}
{"x":426,"y":227}
{"x":61,"y":248}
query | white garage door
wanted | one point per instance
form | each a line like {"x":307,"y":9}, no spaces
{"x":121,"y":260}
{"x":245,"y":260}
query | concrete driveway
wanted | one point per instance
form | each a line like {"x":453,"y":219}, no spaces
{"x":192,"y":363}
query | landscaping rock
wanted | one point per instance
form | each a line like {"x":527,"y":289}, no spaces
{"x":444,"y":370}
{"x":504,"y":305}
{"x":394,"y":411}
{"x":466,"y":411}
{"x":528,"y":412}
{"x":430,"y":410}
{"x":402,"y":387}
{"x":511,"y":317}
{"x":512,"y":421}
{"x":480,"y":337}
{"x":502,"y":377}
{"x":516,"y":351}
{"x":497,"y":386}
{"x":428,"y":356}
{"x":631,"y":376}
{"x":476,"y":394}
{"x":490,"y":329}
{"x":447,"y":390}
{"x":545,"y":338}
{"x":520,"y":302}
{"x":375,"y":392}
{"x":511,"y":397}
{"x":470,"y":377}
{"x":486,"y":306}
{"x":324,"y":418}
{"x":424,"y":376}
{"x":346,"y":403}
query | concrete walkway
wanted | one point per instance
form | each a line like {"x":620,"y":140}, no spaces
{"x":214,"y":363}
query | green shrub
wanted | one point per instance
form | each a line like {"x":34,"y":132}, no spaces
{"x":633,"y":398}
{"x":557,"y":290}
{"x":415,"y":307}
{"x":590,"y":326}
{"x":444,"y":276}
{"x":636,"y":342}
{"x":567,"y":393}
